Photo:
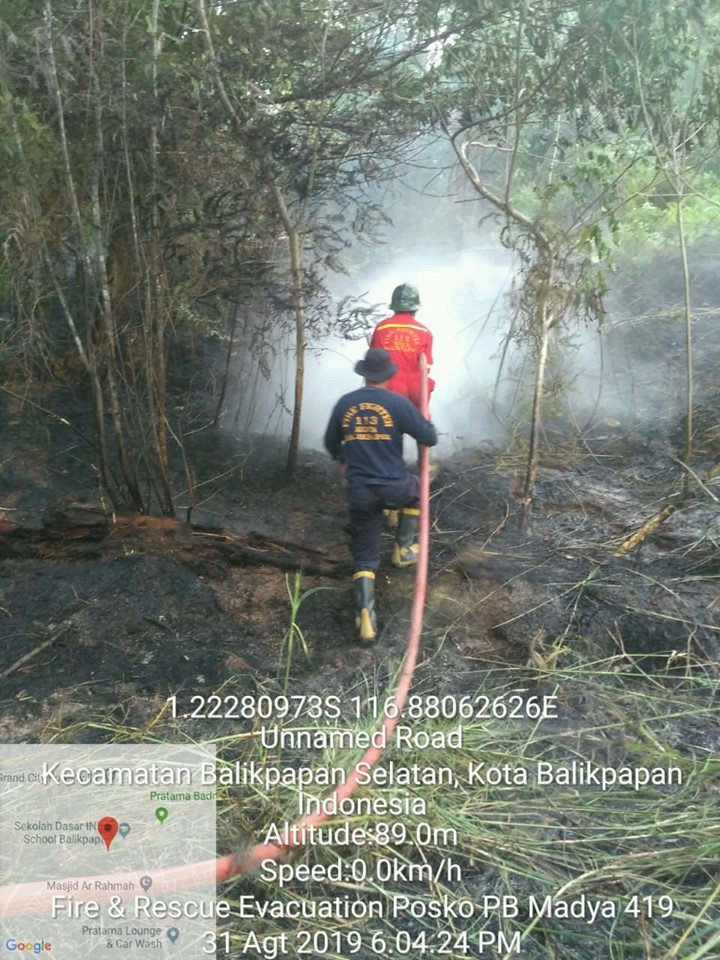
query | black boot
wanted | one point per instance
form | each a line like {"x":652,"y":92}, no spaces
{"x":365,"y":605}
{"x":406,"y":549}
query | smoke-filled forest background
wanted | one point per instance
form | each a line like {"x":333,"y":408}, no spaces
{"x":222,"y":197}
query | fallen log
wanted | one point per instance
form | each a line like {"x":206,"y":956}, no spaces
{"x":34,"y":652}
{"x":651,"y":525}
{"x":78,"y":534}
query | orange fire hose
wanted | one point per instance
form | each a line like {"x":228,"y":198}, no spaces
{"x":34,"y":898}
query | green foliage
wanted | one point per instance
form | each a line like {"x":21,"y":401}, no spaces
{"x":567,"y":108}
{"x":294,"y":636}
{"x":649,"y":225}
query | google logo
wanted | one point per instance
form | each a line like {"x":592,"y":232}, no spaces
{"x":40,"y":946}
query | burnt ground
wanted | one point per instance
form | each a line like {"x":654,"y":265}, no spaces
{"x":117,"y":622}
{"x":103,"y":618}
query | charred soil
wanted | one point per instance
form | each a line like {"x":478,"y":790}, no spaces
{"x":112,"y":623}
{"x":105,"y":616}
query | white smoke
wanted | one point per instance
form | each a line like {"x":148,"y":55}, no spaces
{"x":464,"y":305}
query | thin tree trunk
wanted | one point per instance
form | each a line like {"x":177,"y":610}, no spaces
{"x":155,"y":365}
{"x":689,"y":382}
{"x":673,"y":169}
{"x":295,"y":244}
{"x":226,"y":371}
{"x":98,"y":399}
{"x":72,"y":193}
{"x":88,"y":360}
{"x":544,"y":323}
{"x":106,"y":305}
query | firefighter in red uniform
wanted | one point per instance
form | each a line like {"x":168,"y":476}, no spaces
{"x":405,"y":338}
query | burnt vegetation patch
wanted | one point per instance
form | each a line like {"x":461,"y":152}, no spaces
{"x":119,"y":626}
{"x":111,"y":612}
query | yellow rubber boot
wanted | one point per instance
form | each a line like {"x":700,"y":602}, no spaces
{"x":365,"y":605}
{"x":406,"y":549}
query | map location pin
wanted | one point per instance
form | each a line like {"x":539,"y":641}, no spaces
{"x":108,"y":828}
{"x":162,"y":814}
{"x":124,"y":830}
{"x":146,"y":883}
{"x":172,"y":934}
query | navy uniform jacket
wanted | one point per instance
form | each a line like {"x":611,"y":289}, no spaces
{"x":366,"y":431}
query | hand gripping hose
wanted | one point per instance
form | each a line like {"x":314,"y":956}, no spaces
{"x":34,"y":898}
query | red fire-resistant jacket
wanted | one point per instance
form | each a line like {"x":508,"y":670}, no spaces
{"x":406,"y":338}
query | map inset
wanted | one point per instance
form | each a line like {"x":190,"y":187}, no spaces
{"x":93,"y":842}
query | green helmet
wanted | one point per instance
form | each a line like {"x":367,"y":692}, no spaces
{"x":405,"y":299}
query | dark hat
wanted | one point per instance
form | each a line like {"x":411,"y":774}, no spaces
{"x":377,"y":365}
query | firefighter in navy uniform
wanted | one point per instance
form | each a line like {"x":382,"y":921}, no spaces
{"x":365,"y":433}
{"x":405,"y":338}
